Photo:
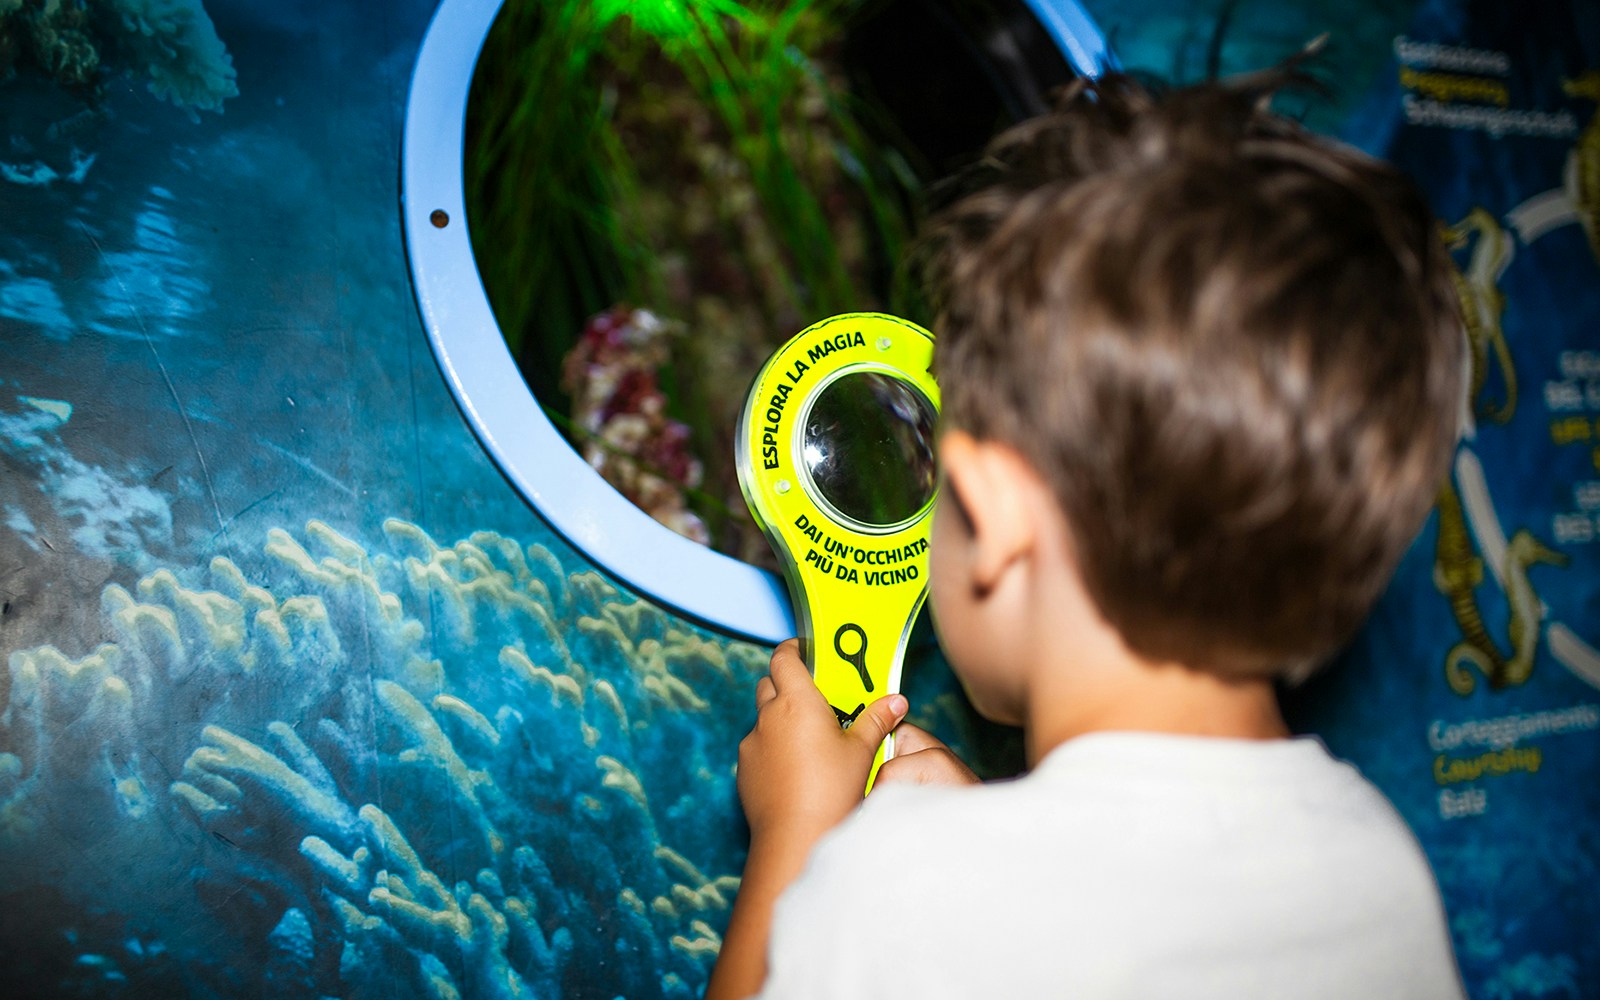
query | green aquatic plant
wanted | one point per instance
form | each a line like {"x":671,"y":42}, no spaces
{"x":541,"y":173}
{"x":703,"y":159}
{"x":568,"y":91}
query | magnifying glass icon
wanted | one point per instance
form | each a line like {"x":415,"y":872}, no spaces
{"x":835,"y":453}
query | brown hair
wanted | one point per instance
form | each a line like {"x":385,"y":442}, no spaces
{"x":1230,"y":346}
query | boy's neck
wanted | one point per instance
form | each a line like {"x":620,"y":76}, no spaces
{"x":1098,"y":685}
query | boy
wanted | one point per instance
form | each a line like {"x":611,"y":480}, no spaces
{"x":1201,"y":375}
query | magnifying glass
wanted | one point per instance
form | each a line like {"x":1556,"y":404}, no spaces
{"x":836,"y":460}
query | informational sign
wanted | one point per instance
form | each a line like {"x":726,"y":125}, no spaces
{"x":1473,"y":696}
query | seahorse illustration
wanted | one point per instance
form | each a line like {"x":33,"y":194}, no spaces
{"x":1457,"y":571}
{"x":1583,"y":164}
{"x":1482,"y":304}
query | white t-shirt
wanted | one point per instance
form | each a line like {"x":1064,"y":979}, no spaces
{"x":1124,"y":865}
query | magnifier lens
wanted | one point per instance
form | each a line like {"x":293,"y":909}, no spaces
{"x":868,"y":447}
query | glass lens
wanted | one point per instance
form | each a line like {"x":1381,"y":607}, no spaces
{"x":869,"y":448}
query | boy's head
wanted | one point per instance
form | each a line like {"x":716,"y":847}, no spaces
{"x":1228,"y":346}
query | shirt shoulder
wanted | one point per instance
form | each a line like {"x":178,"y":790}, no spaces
{"x":1112,"y":868}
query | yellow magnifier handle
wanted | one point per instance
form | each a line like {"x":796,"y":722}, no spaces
{"x":835,"y":458}
{"x":856,"y":649}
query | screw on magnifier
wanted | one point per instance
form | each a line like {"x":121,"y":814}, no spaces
{"x":782,"y":486}
{"x":884,"y":343}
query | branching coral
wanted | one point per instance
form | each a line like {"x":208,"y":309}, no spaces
{"x":69,"y":724}
{"x":174,"y":44}
{"x":445,"y":766}
{"x":619,"y":412}
{"x":228,"y":771}
{"x":483,"y":932}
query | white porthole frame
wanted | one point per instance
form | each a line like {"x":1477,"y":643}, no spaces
{"x":619,"y":538}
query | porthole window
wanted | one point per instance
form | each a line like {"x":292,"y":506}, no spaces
{"x":615,"y":212}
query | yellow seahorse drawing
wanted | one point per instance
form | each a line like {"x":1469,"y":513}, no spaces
{"x":1482,"y":304}
{"x":1583,"y":164}
{"x":1457,"y":571}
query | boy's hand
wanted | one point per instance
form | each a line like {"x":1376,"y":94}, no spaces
{"x":799,"y":775}
{"x":921,"y":759}
{"x":798,"y":771}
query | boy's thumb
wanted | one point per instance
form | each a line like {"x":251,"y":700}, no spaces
{"x":879,"y":719}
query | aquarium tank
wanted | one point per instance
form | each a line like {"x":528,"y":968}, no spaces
{"x":659,"y":195}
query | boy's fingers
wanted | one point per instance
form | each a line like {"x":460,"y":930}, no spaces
{"x":908,"y":739}
{"x":788,"y":670}
{"x":765,"y":691}
{"x":878,"y":719}
{"x":934,"y":766}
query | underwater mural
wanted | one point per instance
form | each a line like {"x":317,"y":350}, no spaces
{"x":77,"y":47}
{"x":298,"y":697}
{"x":507,"y":798}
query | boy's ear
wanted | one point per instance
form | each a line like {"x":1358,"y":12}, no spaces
{"x":994,"y":490}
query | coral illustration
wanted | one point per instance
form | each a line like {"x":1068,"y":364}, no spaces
{"x":170,"y":44}
{"x":426,"y":770}
{"x":80,"y":47}
{"x":173,"y":45}
{"x":54,"y":35}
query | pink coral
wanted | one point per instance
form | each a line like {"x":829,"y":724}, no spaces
{"x":620,"y":413}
